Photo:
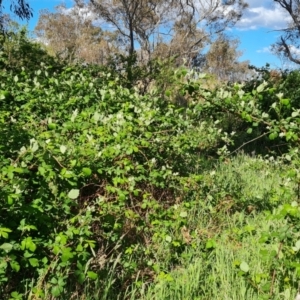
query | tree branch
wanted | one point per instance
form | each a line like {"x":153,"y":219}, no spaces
{"x":288,"y":52}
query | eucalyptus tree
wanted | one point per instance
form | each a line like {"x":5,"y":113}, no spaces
{"x":289,"y":42}
{"x":176,"y":24}
{"x":19,"y":7}
{"x":222,"y":60}
{"x":72,"y":35}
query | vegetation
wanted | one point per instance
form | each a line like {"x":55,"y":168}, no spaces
{"x":150,"y":23}
{"x":145,"y":31}
{"x":288,"y":42}
{"x":19,"y":7}
{"x":180,"y":190}
{"x":71,"y":36}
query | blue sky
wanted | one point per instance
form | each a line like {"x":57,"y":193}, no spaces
{"x":257,"y":29}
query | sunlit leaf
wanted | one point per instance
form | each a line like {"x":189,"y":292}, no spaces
{"x":244,"y":267}
{"x":73,"y":194}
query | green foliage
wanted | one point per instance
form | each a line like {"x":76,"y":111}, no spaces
{"x":102,"y":185}
{"x":17,"y":50}
{"x":89,"y":169}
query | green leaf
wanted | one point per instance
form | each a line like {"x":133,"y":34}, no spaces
{"x":4,"y":94}
{"x":80,"y":276}
{"x":92,"y":275}
{"x":79,"y":248}
{"x":297,"y":246}
{"x":87,"y":172}
{"x":183,"y":214}
{"x":295,"y":113}
{"x":53,"y":281}
{"x":168,"y":239}
{"x":34,"y":262}
{"x":10,"y":201}
{"x":285,"y":101}
{"x":261,"y":87}
{"x":6,"y":247}
{"x":210,"y":244}
{"x":73,"y":194}
{"x":249,"y":131}
{"x":42,"y":170}
{"x":52,"y":126}
{"x":67,"y":254}
{"x":56,"y":290}
{"x":16,"y":295}
{"x":63,"y":149}
{"x":34,"y":146}
{"x":4,"y":232}
{"x":96,"y":117}
{"x":15,"y":265}
{"x":273,"y":136}
{"x":28,"y":243}
{"x":244,"y":267}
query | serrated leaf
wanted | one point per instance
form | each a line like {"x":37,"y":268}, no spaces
{"x":73,"y":194}
{"x":244,"y":267}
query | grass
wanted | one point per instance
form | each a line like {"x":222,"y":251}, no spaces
{"x":222,"y":233}
{"x":216,"y":276}
{"x":250,"y":181}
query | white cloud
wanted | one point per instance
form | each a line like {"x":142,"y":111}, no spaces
{"x":264,"y":50}
{"x":295,"y":51}
{"x":258,"y":15}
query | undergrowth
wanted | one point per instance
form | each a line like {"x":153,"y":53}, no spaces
{"x":108,"y":192}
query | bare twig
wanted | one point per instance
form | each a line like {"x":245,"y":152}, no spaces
{"x":244,"y":144}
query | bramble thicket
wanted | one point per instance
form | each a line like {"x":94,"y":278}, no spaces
{"x":179,"y":189}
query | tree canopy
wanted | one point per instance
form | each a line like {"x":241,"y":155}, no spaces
{"x":289,"y":41}
{"x":19,"y":7}
{"x":172,"y":22}
{"x":71,"y":35}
